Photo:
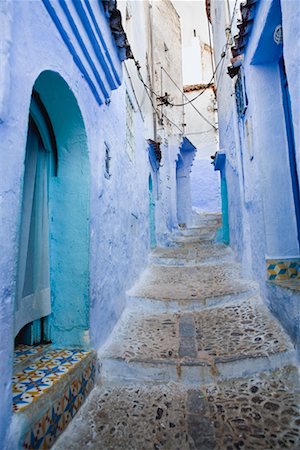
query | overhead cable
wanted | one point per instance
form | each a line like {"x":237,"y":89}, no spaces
{"x":196,"y":109}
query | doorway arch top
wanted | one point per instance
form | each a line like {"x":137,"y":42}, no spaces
{"x":68,"y":214}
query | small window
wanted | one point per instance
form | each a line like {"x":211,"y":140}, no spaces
{"x":240,"y":94}
{"x":129,"y":127}
{"x":194,"y":33}
{"x":107,"y":172}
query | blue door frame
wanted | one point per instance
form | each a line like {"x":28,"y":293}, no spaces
{"x":291,"y":141}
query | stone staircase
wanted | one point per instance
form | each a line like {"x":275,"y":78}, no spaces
{"x":195,"y":362}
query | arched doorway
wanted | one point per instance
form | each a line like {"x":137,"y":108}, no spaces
{"x":52,"y":301}
{"x":180,"y":191}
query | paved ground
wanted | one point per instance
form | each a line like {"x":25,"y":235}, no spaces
{"x":196,"y":361}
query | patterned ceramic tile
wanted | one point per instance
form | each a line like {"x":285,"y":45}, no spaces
{"x":283,"y":269}
{"x":25,"y":352}
{"x":43,"y":433}
{"x":40,"y":375}
{"x":284,"y":272}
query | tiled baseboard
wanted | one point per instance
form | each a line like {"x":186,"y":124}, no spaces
{"x":284,"y":272}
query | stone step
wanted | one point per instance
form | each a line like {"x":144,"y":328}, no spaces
{"x":198,"y":231}
{"x":191,"y":254}
{"x":258,"y":412}
{"x":202,"y":284}
{"x":48,"y":389}
{"x":205,"y":237}
{"x":196,"y":347}
{"x":206,"y":219}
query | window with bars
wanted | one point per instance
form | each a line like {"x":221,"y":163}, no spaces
{"x":129,"y":127}
{"x":240,"y":94}
{"x":107,"y":168}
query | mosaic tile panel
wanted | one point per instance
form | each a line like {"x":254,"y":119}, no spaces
{"x":46,"y":430}
{"x":283,"y":269}
{"x":46,"y":370}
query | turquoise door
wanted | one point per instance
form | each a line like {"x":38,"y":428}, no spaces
{"x":152,"y":215}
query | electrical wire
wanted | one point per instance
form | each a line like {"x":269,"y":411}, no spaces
{"x":196,"y":109}
{"x":147,"y":89}
{"x":134,"y":93}
{"x":208,"y":86}
{"x":222,"y":59}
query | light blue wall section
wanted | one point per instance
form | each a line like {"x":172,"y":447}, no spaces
{"x":183,"y":182}
{"x":261,"y":209}
{"x":101,"y":225}
{"x":152,"y":214}
{"x":205,"y":186}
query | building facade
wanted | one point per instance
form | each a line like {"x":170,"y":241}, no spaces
{"x":88,"y":172}
{"x":256,"y":46}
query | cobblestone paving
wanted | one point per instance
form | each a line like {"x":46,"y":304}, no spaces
{"x":239,"y":331}
{"x":257,"y":412}
{"x":260,"y":412}
{"x":190,"y":283}
{"x":146,"y":337}
{"x":231,"y":332}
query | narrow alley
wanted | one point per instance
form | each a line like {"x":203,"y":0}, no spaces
{"x":150,"y":225}
{"x":195,"y":362}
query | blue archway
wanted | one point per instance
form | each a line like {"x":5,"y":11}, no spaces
{"x":68,"y":214}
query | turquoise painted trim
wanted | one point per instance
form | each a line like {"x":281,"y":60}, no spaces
{"x":40,"y":117}
{"x":225,"y":218}
{"x":72,"y":50}
{"x":69,"y":216}
{"x":223,"y":232}
{"x":41,"y":125}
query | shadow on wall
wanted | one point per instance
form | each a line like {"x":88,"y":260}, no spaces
{"x":205,"y":186}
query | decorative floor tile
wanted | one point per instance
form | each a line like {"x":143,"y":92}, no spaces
{"x":31,"y":382}
{"x":24,"y":352}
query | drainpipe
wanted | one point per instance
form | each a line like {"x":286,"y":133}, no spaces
{"x":227,"y":20}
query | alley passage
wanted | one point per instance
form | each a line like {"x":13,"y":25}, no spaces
{"x":196,"y":361}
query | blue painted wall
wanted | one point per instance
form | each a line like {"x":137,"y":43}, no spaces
{"x":152,"y":214}
{"x":262,"y":217}
{"x":205,"y":186}
{"x":100,"y":232}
